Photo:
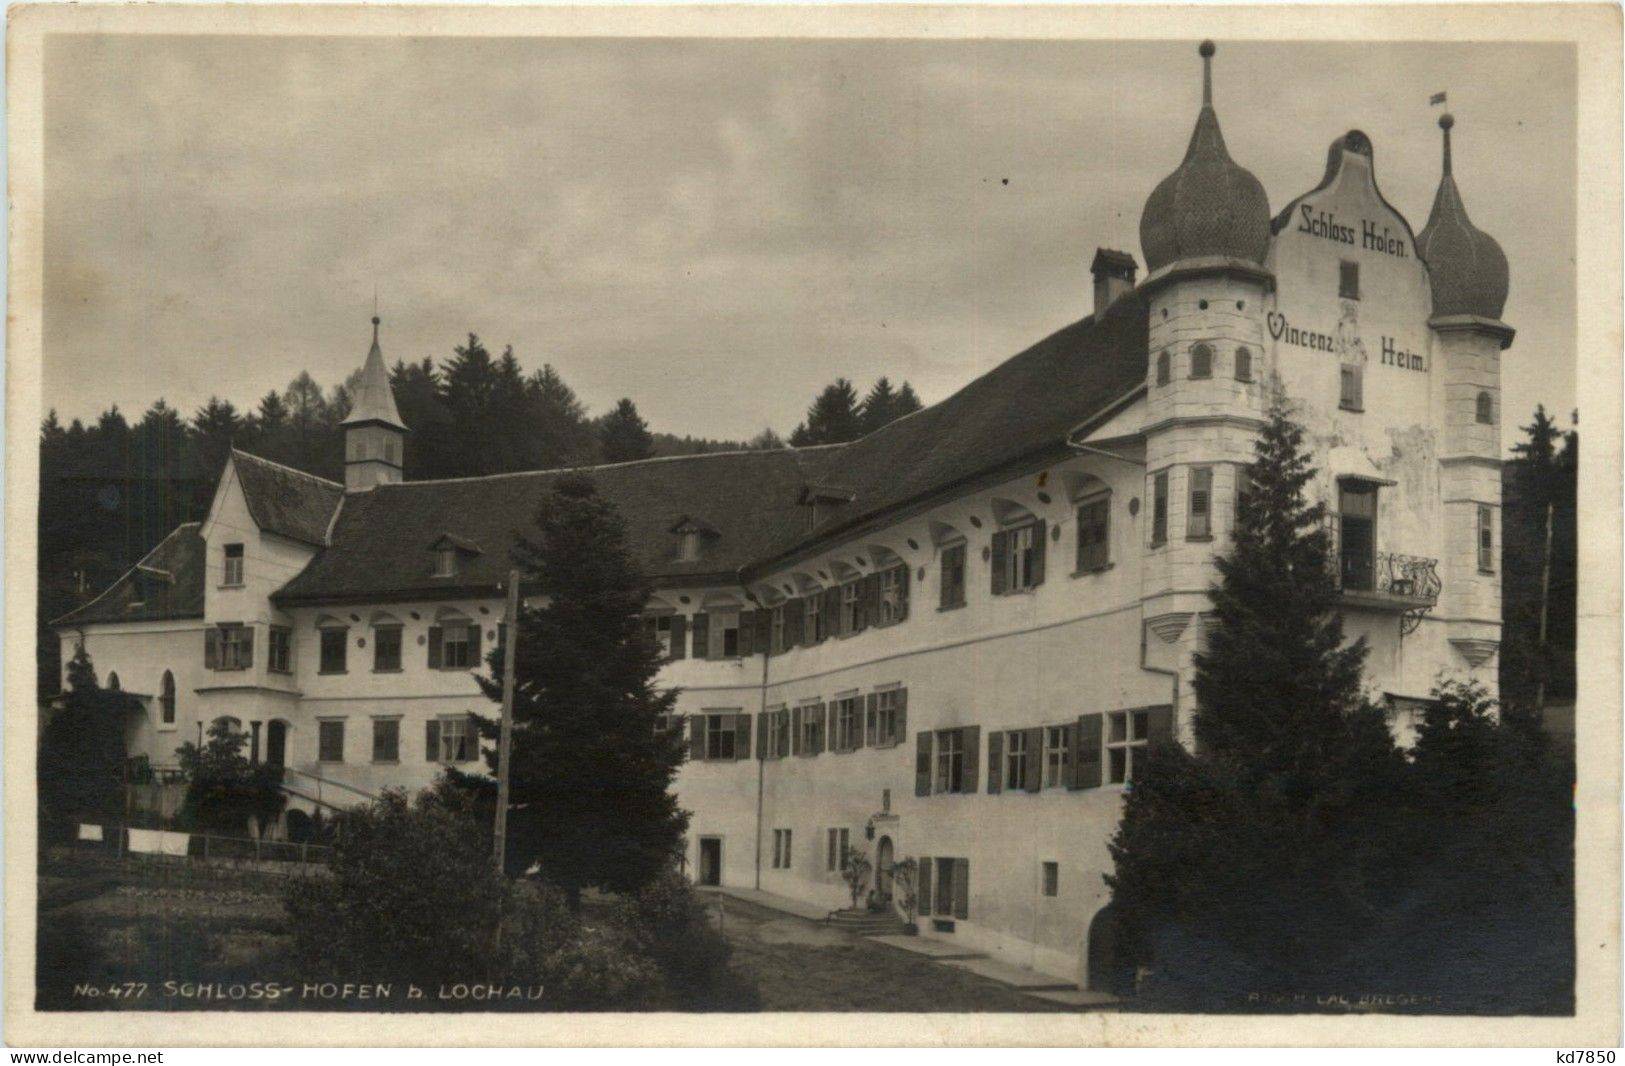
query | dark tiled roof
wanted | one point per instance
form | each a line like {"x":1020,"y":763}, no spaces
{"x":285,"y":501}
{"x":1022,"y":408}
{"x":167,"y":583}
{"x":380,"y":545}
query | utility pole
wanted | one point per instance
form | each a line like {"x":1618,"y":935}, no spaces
{"x":505,"y":744}
{"x":1545,"y":592}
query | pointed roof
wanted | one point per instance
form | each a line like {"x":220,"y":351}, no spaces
{"x":285,"y":501}
{"x":1466,"y":266}
{"x":374,"y":401}
{"x":1209,"y":206}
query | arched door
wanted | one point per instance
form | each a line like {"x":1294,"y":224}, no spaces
{"x":1105,"y":967}
{"x":883,"y":869}
{"x":276,"y":743}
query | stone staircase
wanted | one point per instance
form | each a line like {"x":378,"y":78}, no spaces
{"x":861,"y":922}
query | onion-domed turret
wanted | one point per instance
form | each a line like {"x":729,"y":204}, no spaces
{"x":1209,"y":206}
{"x":1467,"y":268}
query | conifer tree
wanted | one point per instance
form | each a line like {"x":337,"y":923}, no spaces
{"x":592,"y":763}
{"x":624,"y":435}
{"x":80,"y":770}
{"x":832,"y":419}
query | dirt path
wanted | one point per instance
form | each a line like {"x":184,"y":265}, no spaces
{"x":800,"y":965}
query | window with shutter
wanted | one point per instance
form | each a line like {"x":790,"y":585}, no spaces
{"x":1159,"y":509}
{"x":431,"y":740}
{"x":812,"y":619}
{"x":1199,"y":519}
{"x":1350,"y":390}
{"x":386,"y":740}
{"x":1056,"y":746}
{"x":953,"y":576}
{"x":1032,"y":773}
{"x":1486,"y":539}
{"x":1202,"y":361}
{"x":871,"y":721}
{"x":702,"y":636}
{"x":923,"y":868}
{"x":922,"y":763}
{"x":745,"y":640}
{"x":1094,"y":528}
{"x":211,"y":648}
{"x":950,"y":755}
{"x":995,"y":763}
{"x":679,"y":637}
{"x":335,"y":649}
{"x":972,"y":745}
{"x":961,"y":888}
{"x":999,"y":558}
{"x":1244,"y":364}
{"x":1086,"y":764}
{"x":1348,"y":280}
{"x":741,"y":736}
{"x":1127,"y":733}
{"x":330,"y":740}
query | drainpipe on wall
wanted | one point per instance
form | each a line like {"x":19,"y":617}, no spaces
{"x":1147,"y":667}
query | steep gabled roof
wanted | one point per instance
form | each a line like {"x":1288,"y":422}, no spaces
{"x":285,"y":501}
{"x":166,"y":584}
{"x":380,"y":541}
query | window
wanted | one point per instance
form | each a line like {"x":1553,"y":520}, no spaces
{"x":457,"y":645}
{"x":852,"y":619}
{"x":688,"y":545}
{"x":953,"y":576}
{"x":893,"y":595}
{"x":781,"y":849}
{"x":727,"y":628}
{"x":660,"y":631}
{"x":1057,"y":751}
{"x":812,"y":727}
{"x":166,"y":698}
{"x":452,"y":739}
{"x":1351,"y":392}
{"x":813,"y":619}
{"x":1357,"y":534}
{"x":776,"y":630}
{"x":950,"y":775}
{"x":848,"y":724}
{"x":1348,"y":280}
{"x":234,"y":565}
{"x":1164,"y":367}
{"x":720,"y":738}
{"x":335,"y":644}
{"x":839,"y":841}
{"x":1486,"y":409}
{"x":235,"y":647}
{"x":1126,"y":733}
{"x":1015,"y":761}
{"x":1199,"y":521}
{"x":386,"y":648}
{"x":1486,"y":540}
{"x":1052,"y":878}
{"x":330,"y":740}
{"x":280,"y":657}
{"x":777,"y":742}
{"x":113,"y":682}
{"x":1094,"y":533}
{"x":1244,"y":364}
{"x":1159,"y":509}
{"x":386,"y":740}
{"x":1201,"y":361}
{"x":1018,"y":558}
{"x":888,"y":707}
{"x":445,"y":562}
{"x":952,"y":888}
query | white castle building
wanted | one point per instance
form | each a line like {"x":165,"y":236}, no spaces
{"x":949,"y":640}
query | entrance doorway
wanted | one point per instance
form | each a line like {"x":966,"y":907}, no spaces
{"x":883,"y":869}
{"x":276,"y":743}
{"x":1357,"y":534}
{"x":710,"y":860}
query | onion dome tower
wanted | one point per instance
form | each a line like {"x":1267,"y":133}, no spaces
{"x":1205,"y":233}
{"x":1467,"y":268}
{"x":374,"y":436}
{"x":1209,"y":206}
{"x":1468,"y":274}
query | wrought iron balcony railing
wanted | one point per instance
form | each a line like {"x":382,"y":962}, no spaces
{"x":1408,"y":584}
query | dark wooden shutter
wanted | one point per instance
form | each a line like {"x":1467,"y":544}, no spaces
{"x":761,"y":734}
{"x":1001,"y":548}
{"x":696,"y":737}
{"x":1035,"y":759}
{"x":1159,"y":724}
{"x":1086,"y":752}
{"x":972,"y":740}
{"x":436,"y":654}
{"x":741,"y":736}
{"x":702,"y":633}
{"x":795,"y":731}
{"x":747,"y":634}
{"x":819,"y":739}
{"x":871,"y":725}
{"x":248,"y":648}
{"x":679,"y":636}
{"x":827,"y":726}
{"x":431,"y":740}
{"x":1040,"y":540}
{"x":995,"y":756}
{"x":832,"y":612}
{"x":795,"y":623}
{"x":902,"y":592}
{"x":923,"y":876}
{"x":869,"y":598}
{"x":922,"y":764}
{"x":901,"y":732}
{"x":474,"y":646}
{"x":764,"y":632}
{"x":961,"y":888}
{"x":211,"y":648}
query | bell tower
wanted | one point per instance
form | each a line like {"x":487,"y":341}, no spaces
{"x":374,"y":436}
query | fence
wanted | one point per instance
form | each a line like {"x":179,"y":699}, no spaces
{"x":272,"y":856}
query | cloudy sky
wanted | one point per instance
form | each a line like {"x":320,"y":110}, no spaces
{"x":714,"y":228}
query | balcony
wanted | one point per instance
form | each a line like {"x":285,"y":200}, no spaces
{"x":1388,"y":580}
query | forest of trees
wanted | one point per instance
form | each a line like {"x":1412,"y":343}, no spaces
{"x":112,"y":489}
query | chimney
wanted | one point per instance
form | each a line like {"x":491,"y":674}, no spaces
{"x":1114,"y":275}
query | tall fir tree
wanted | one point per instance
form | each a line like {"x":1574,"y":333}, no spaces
{"x":592,"y":761}
{"x":624,"y":434}
{"x":832,"y":419}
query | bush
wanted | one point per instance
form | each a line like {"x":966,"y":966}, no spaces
{"x":670,"y":926}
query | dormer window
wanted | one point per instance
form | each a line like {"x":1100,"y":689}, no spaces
{"x":445,"y":562}
{"x":449,"y":551}
{"x":688,"y":545}
{"x":823,"y":502}
{"x":692,"y":534}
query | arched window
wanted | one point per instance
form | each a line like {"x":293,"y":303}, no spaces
{"x":1164,"y":367}
{"x":166,"y":698}
{"x":112,"y":680}
{"x":1201,"y":361}
{"x":1244,"y":364}
{"x":1486,"y":409}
